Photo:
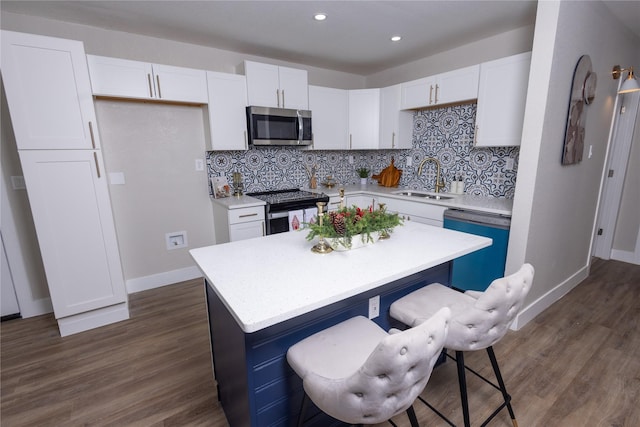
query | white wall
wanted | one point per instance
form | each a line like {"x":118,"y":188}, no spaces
{"x":554,"y":205}
{"x":155,"y":147}
{"x":505,"y":44}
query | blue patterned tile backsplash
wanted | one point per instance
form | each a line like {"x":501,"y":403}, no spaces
{"x":445,"y":133}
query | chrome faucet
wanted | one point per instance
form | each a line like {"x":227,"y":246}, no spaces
{"x":439,"y":182}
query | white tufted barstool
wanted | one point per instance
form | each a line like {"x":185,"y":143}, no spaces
{"x":478,"y":321}
{"x":359,"y":374}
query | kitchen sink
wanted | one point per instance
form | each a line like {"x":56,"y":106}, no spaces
{"x":432,"y":196}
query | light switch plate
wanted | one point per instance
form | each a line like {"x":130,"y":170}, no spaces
{"x":374,"y":307}
{"x":199,"y":165}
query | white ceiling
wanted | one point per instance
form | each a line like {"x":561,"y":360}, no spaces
{"x":354,"y":38}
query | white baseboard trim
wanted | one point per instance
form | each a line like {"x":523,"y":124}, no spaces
{"x":93,"y":319}
{"x":624,"y":256}
{"x":528,"y":313}
{"x":32,"y":308}
{"x":162,"y":279}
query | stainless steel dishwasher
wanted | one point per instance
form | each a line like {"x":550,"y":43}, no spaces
{"x":477,"y":270}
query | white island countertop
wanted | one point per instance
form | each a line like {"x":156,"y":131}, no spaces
{"x":268,"y":280}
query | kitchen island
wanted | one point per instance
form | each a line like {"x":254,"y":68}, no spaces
{"x":266,"y":294}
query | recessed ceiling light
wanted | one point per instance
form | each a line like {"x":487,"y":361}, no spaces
{"x":396,"y":38}
{"x":320,"y":16}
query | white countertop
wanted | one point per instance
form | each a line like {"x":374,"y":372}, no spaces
{"x":268,"y":280}
{"x":234,"y":202}
{"x":496,"y":205}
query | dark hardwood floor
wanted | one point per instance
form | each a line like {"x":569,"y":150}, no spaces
{"x":576,"y":364}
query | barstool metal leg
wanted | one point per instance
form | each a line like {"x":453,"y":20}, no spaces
{"x":503,"y":388}
{"x":462,"y":381}
{"x":412,"y":417}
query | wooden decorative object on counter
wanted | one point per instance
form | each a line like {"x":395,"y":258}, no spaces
{"x":389,"y":176}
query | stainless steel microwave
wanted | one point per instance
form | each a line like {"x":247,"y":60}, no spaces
{"x":279,"y":126}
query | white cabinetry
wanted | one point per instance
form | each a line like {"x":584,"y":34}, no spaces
{"x":273,"y":86}
{"x":140,"y":80}
{"x":501,"y":100}
{"x":361,"y":201}
{"x":238,"y":223}
{"x":415,"y":211}
{"x":446,"y":88}
{"x":329,"y":117}
{"x":364,"y":119}
{"x":69,"y":198}
{"x":50,"y":102}
{"x":49,"y":93}
{"x":334,"y":203}
{"x":396,"y":126}
{"x":226,"y":114}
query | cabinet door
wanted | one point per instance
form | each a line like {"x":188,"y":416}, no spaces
{"x":501,"y":100}
{"x":396,"y":126}
{"x":294,"y":89}
{"x":180,"y":84}
{"x":417,"y":93}
{"x":48,"y":92}
{"x":121,"y":77}
{"x":69,"y":199}
{"x":226,"y":111}
{"x":458,"y":85}
{"x":263,"y":87}
{"x":329,"y":117}
{"x":364,"y":119}
{"x":246,"y":230}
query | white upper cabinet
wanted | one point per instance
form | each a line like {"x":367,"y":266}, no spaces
{"x":396,"y":126}
{"x":329,"y":117}
{"x":140,"y":80}
{"x":273,"y":86}
{"x":364,"y":119}
{"x":48,"y":91}
{"x":226,"y":112}
{"x":501,"y":100}
{"x":446,"y":88}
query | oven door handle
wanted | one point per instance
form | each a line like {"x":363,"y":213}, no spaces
{"x":277,"y":215}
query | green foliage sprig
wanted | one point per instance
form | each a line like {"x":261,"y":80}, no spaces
{"x":348,"y":222}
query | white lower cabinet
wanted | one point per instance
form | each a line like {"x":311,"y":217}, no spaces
{"x":233,"y":224}
{"x":424,"y":213}
{"x":69,"y":199}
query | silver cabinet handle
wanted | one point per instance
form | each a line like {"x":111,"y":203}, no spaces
{"x":247,"y":215}
{"x":437,"y":87}
{"x":350,"y":141}
{"x":158,"y":82}
{"x":246,"y":141}
{"x":93,"y":140}
{"x":393,"y":140}
{"x":430,"y":94}
{"x":150,"y":86}
{"x":95,"y":158}
{"x":283,"y":104}
{"x":278,"y":97}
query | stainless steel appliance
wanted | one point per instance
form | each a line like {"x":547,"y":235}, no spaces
{"x":281,"y":202}
{"x":477,"y":270}
{"x":279,"y":126}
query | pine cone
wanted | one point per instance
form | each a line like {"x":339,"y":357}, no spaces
{"x":338,"y":225}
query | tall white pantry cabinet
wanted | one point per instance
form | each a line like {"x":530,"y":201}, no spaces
{"x":49,"y":95}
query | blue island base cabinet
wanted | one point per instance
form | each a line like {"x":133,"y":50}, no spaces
{"x":256,"y":386}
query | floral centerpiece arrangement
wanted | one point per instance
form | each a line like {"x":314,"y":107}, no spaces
{"x":343,"y":226}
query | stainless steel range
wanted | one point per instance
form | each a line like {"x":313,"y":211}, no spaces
{"x":281,"y":202}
